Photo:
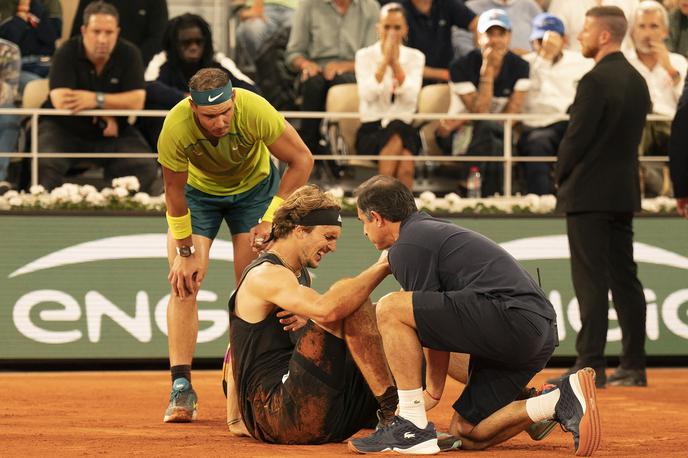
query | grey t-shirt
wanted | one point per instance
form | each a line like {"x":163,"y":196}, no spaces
{"x":436,"y":255}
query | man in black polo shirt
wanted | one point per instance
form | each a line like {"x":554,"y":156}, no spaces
{"x":430,"y":23}
{"x":95,"y":70}
{"x":490,"y":79}
{"x":463,"y":293}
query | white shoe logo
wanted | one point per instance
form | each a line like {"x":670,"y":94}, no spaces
{"x":212,"y":99}
{"x":409,"y":435}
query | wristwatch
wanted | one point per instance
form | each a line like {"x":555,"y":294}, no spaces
{"x":185,"y":251}
{"x":100,"y":100}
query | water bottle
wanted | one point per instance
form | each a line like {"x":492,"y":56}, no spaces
{"x":474,"y":183}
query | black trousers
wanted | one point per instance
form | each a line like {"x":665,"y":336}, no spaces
{"x":488,"y":140}
{"x":540,"y":141}
{"x":601,"y":245}
{"x":53,"y":138}
{"x":314,"y":96}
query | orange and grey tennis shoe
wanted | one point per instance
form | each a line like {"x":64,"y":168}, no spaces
{"x":577,"y":411}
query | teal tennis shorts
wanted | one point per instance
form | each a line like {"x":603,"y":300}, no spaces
{"x":240,"y":211}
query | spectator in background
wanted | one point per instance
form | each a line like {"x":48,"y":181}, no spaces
{"x":389,"y":77}
{"x":554,"y":75}
{"x":95,"y":70}
{"x":259,"y":19}
{"x":521,"y":14}
{"x":323,"y":42}
{"x":33,"y":25}
{"x":664,"y":73}
{"x":430,"y":23}
{"x":142,"y":22}
{"x":599,"y":190}
{"x":10,"y":67}
{"x":678,"y":154}
{"x":491,"y":79}
{"x":572,"y":13}
{"x":678,"y":29}
{"x":187,"y":48}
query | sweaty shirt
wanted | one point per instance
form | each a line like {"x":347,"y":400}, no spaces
{"x":239,"y":161}
{"x":435,"y":255}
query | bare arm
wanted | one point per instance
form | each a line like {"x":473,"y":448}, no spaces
{"x":186,"y":273}
{"x":78,"y":99}
{"x":289,"y":148}
{"x":432,"y":73}
{"x":129,"y":100}
{"x":516,"y":102}
{"x":270,"y":284}
{"x":174,"y":195}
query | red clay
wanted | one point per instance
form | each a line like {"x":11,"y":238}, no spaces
{"x":120,"y":413}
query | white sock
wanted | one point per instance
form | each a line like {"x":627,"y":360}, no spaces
{"x":412,"y":407}
{"x":542,"y":407}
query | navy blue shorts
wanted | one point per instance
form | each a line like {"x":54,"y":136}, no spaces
{"x":507,"y":345}
{"x":240,"y":211}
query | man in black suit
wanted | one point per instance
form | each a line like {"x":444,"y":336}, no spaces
{"x":678,"y":154}
{"x":599,"y":189}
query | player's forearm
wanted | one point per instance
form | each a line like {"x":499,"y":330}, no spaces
{"x":176,"y":204}
{"x":297,"y":173}
{"x":347,"y":295}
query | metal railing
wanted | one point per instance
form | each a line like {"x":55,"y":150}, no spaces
{"x":508,"y":158}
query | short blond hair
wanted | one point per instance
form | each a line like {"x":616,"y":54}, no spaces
{"x":301,"y":202}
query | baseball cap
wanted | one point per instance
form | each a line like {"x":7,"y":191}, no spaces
{"x":545,"y":22}
{"x":493,"y":17}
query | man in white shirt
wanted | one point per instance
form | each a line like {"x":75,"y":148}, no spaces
{"x":554,"y":75}
{"x":664,"y":73}
{"x":389,"y":77}
{"x":572,"y":14}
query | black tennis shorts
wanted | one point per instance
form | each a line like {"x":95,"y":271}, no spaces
{"x":507,"y":345}
{"x":322,"y":398}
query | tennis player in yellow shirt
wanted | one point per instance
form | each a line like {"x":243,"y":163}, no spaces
{"x":215,"y":149}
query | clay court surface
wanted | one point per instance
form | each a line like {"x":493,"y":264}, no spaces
{"x":120,"y":414}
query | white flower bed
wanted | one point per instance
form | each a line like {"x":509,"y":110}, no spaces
{"x":124,"y":195}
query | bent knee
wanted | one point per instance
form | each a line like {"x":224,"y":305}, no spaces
{"x":393,"y":306}
{"x":385,"y":306}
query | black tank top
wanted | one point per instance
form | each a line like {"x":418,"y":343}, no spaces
{"x":260,"y":351}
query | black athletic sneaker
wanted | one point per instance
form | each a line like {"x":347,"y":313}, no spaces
{"x":401,"y":436}
{"x":577,"y":412}
{"x":628,"y":377}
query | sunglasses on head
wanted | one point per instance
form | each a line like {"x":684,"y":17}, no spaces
{"x":192,"y":41}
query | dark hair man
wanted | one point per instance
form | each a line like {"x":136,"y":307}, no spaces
{"x":463,"y":293}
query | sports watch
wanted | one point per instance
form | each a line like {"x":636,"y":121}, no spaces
{"x":100,"y":100}
{"x":185,"y":251}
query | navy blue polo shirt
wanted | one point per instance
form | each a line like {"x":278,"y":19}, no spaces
{"x":432,"y":34}
{"x":435,"y":255}
{"x":71,"y":68}
{"x":514,"y":75}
